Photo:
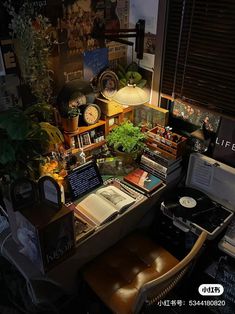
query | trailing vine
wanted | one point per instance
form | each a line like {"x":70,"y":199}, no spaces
{"x":31,"y":37}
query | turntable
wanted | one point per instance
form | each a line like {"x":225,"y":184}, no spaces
{"x":207,"y":202}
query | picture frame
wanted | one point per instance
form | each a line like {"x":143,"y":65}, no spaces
{"x":148,"y":116}
{"x":77,"y":141}
{"x":23,"y":193}
{"x":49,"y":191}
{"x":85,"y":139}
{"x":109,"y":84}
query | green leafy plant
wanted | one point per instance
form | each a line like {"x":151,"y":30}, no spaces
{"x":22,"y":140}
{"x":127,"y":138}
{"x":32,"y":43}
{"x":73,"y":112}
{"x":40,"y":112}
{"x":130,"y":75}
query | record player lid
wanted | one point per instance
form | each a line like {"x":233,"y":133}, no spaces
{"x":212,"y":177}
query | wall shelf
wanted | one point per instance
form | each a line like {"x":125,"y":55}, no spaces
{"x":82,"y":129}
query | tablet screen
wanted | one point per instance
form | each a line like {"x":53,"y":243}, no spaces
{"x":83,"y":180}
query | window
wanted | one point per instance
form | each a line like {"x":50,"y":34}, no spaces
{"x":199,"y":58}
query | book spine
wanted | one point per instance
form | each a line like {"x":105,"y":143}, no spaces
{"x":156,"y":157}
{"x":166,"y":179}
{"x":152,"y":164}
{"x":154,"y":172}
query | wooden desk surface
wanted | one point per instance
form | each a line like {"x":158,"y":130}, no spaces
{"x":105,"y":236}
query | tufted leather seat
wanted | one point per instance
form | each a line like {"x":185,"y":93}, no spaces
{"x":134,"y":271}
{"x":117,"y":275}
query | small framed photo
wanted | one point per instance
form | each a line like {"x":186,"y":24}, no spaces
{"x":77,"y":141}
{"x":85,"y":139}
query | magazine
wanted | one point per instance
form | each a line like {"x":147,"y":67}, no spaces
{"x":104,"y":204}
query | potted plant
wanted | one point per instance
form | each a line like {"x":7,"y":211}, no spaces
{"x":127,"y":140}
{"x":22,"y":140}
{"x":70,"y":119}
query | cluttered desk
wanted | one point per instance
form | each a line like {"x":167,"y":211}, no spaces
{"x":104,"y":212}
{"x":128,"y":207}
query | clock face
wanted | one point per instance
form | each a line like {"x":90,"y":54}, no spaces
{"x":92,"y":114}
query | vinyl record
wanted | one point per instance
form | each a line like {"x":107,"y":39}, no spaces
{"x":183,"y":202}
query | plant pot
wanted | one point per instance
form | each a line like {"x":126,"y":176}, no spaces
{"x":127,"y":158}
{"x":70,"y":124}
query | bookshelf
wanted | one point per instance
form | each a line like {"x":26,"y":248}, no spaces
{"x":86,"y":137}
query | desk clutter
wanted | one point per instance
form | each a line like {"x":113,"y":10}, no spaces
{"x":48,"y":230}
{"x":164,"y":139}
{"x":41,"y":224}
{"x":69,"y":198}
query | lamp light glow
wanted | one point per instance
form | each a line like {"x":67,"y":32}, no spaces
{"x":131,"y":95}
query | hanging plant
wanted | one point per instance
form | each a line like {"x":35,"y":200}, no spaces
{"x":32,"y":43}
{"x":131,"y":75}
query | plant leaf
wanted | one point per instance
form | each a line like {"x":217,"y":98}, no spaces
{"x":7,"y":152}
{"x":15,"y":123}
{"x":142,"y":83}
{"x":53,"y":133}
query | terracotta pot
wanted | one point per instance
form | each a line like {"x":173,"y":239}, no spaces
{"x":70,"y":124}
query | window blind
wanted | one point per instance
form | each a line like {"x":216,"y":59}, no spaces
{"x":199,"y":56}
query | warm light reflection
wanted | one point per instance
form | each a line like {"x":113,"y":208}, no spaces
{"x":131,"y":95}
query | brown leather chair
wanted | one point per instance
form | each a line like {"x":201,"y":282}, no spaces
{"x":136,"y":271}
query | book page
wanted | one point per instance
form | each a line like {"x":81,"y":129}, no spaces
{"x":95,"y":208}
{"x":115,"y":197}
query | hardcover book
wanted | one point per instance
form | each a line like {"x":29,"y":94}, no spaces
{"x":143,"y":180}
{"x":159,"y":157}
{"x":103,"y":205}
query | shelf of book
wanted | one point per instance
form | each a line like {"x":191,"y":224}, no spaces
{"x":87,"y":137}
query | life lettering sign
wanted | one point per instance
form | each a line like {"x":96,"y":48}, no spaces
{"x":224,"y":149}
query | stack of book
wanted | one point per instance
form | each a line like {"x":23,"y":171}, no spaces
{"x":159,"y":165}
{"x":227,"y":243}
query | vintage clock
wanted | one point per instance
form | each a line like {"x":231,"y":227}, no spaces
{"x":90,"y":114}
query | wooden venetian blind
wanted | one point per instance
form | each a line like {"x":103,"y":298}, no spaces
{"x":199,"y":58}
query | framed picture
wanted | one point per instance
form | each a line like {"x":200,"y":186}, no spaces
{"x":77,"y":141}
{"x":109,"y":84}
{"x":149,"y":116}
{"x":85,"y":139}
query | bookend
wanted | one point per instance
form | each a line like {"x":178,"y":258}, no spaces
{"x":41,"y":225}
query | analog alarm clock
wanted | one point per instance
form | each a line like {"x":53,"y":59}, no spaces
{"x":90,"y":113}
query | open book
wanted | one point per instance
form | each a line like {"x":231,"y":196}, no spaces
{"x":104,"y":204}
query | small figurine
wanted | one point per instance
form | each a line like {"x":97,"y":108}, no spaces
{"x":82,"y":157}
